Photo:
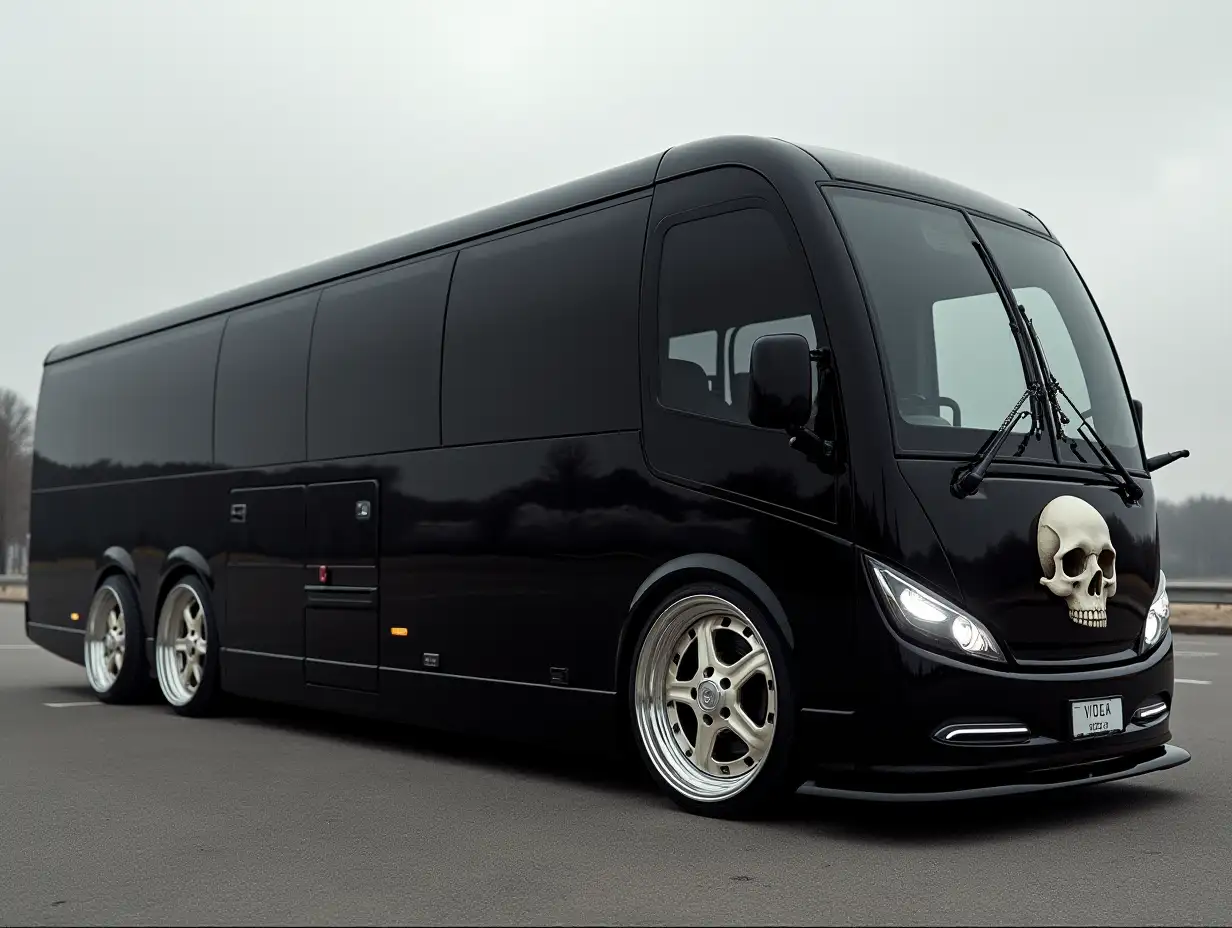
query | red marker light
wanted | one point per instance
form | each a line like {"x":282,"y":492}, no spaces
{"x":323,"y":574}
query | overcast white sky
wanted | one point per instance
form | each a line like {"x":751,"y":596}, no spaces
{"x":155,"y":152}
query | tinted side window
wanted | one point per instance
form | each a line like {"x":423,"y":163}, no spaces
{"x":541,"y":331}
{"x":262,"y":372}
{"x":724,"y":281}
{"x":139,"y":409}
{"x":374,"y":377}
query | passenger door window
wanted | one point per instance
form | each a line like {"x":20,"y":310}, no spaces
{"x":724,"y":267}
{"x":725,"y":281}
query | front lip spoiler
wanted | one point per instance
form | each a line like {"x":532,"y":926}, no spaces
{"x":1034,"y":781}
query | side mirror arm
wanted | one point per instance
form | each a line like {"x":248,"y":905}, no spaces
{"x":820,"y":451}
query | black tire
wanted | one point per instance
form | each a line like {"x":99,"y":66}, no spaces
{"x":775,"y":778}
{"x":205,"y":696}
{"x":132,"y":684}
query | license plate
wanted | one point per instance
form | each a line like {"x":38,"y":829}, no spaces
{"x":1096,"y":716}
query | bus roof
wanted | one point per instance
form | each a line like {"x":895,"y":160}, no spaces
{"x":625,"y":179}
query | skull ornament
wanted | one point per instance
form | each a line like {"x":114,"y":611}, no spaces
{"x":1077,"y":557}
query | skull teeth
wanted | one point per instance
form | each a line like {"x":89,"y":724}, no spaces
{"x":1096,"y":618}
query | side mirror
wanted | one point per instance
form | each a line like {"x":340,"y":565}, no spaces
{"x":780,"y":382}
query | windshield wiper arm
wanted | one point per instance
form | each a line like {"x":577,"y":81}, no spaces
{"x":1034,"y":387}
{"x":1131,"y":490}
{"x":968,"y":479}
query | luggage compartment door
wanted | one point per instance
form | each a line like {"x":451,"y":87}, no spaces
{"x":342,"y":589}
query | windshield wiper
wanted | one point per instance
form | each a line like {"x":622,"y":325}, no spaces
{"x":1034,"y":387}
{"x":1131,"y":490}
{"x":968,"y":479}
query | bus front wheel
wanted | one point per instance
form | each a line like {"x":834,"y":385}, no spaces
{"x":711,"y":698}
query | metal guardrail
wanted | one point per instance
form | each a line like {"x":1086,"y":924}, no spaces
{"x":13,"y":588}
{"x":1200,"y":591}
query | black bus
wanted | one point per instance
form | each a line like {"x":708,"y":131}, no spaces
{"x":786,"y":468}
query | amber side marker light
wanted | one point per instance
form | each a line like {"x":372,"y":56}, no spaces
{"x":74,"y":616}
{"x":399,"y":632}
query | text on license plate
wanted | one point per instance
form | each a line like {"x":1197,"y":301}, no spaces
{"x":1097,"y":716}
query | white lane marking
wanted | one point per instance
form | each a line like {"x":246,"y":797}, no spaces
{"x":70,"y":705}
{"x":1197,"y":653}
{"x":1196,"y":682}
{"x":18,"y":647}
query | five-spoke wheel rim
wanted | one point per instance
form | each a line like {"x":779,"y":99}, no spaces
{"x":105,"y":640}
{"x":705,"y":698}
{"x":182,"y":645}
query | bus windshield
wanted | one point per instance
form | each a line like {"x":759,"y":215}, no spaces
{"x":953,"y":366}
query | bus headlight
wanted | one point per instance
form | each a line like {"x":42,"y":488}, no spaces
{"x":1157,"y":617}
{"x":929,"y":619}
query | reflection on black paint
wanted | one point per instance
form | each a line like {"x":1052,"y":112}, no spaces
{"x":554,"y":536}
{"x":53,"y":474}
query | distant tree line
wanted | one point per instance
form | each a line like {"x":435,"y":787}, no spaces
{"x":1196,"y":538}
{"x":1196,"y":535}
{"x":16,"y":450}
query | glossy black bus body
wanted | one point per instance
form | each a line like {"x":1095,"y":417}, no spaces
{"x":447,"y":479}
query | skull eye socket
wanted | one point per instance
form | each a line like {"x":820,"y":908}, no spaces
{"x":1073,"y":561}
{"x":1107,"y":561}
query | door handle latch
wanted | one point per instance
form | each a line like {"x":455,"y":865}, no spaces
{"x":239,"y":512}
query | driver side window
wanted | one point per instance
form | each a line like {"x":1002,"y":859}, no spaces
{"x":725,"y":280}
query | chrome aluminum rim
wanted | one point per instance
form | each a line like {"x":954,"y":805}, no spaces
{"x":182,"y":645}
{"x":105,"y":640}
{"x":705,"y":698}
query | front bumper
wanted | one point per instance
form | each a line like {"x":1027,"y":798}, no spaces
{"x":980,"y":784}
{"x":898,"y":741}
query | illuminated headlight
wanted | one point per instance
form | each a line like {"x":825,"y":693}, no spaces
{"x":1157,"y":617}
{"x":921,"y":615}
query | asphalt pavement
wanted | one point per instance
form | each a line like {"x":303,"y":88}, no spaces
{"x":132,"y":815}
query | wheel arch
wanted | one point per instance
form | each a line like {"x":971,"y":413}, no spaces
{"x":180,"y":562}
{"x":687,"y":569}
{"x":116,"y":560}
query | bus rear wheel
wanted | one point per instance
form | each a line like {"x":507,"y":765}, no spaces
{"x":114,"y":646}
{"x":186,"y":650}
{"x":711,"y":700}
